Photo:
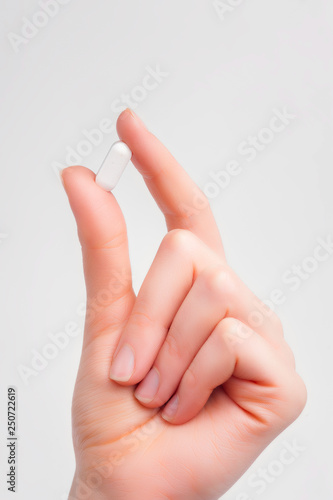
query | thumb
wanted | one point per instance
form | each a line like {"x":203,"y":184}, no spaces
{"x":103,"y":237}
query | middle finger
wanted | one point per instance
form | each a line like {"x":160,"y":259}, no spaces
{"x":166,"y":303}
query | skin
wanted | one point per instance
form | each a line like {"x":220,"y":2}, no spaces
{"x":217,"y":351}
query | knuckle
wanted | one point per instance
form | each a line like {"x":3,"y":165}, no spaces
{"x":190,"y":379}
{"x":232,"y":331}
{"x":228,"y":325}
{"x":299,"y":396}
{"x":178,"y":240}
{"x":286,"y":353}
{"x":231,"y":335}
{"x":294,"y":398}
{"x":117,"y":241}
{"x":173,"y":347}
{"x":141,"y":319}
{"x":217,"y":281}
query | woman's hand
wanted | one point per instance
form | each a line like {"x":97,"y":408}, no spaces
{"x":194,"y":338}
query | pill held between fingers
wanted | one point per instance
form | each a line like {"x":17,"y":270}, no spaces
{"x":113,"y":165}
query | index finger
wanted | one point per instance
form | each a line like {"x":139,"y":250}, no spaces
{"x":183,"y":204}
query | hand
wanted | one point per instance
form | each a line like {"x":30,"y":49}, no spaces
{"x":194,"y":334}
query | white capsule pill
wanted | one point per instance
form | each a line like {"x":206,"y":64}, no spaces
{"x":113,"y":165}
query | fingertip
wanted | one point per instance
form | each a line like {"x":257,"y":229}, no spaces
{"x":71,"y":175}
{"x":171,"y":409}
{"x":93,"y":208}
{"x":125,"y":115}
{"x":124,"y":121}
{"x":123,"y":379}
{"x":180,"y":418}
{"x":129,"y":123}
{"x":142,"y":400}
{"x":148,"y":388}
{"x":123,"y":363}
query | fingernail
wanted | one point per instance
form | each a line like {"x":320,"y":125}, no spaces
{"x":122,"y":366}
{"x":136,"y":117}
{"x":170,"y":410}
{"x":148,"y":387}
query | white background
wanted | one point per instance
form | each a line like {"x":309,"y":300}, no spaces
{"x":225,"y":77}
